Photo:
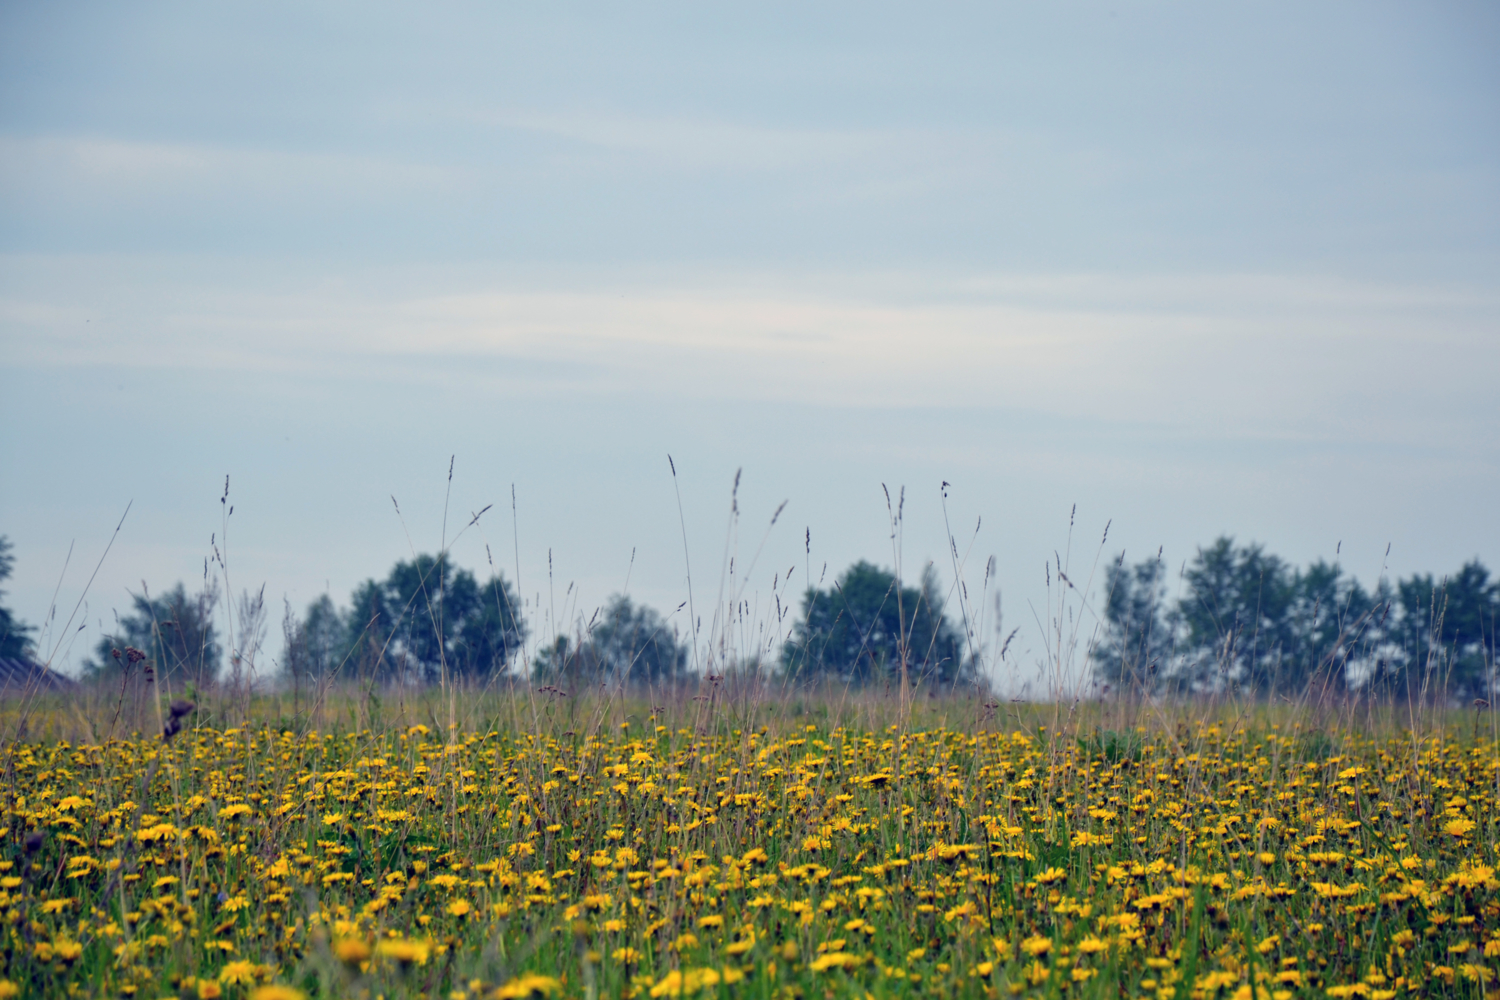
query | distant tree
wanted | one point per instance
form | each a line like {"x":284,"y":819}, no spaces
{"x":174,"y":629}
{"x":628,"y":643}
{"x":1136,"y":649}
{"x":637,"y":644}
{"x":1331,"y":624}
{"x":317,"y":644}
{"x":867,"y":627}
{"x":1248,"y":620}
{"x":569,"y":663}
{"x":1445,"y":634}
{"x":425,"y":618}
{"x":14,"y":641}
{"x":1234,"y":617}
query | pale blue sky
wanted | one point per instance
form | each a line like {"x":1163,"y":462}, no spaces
{"x":1195,"y":268}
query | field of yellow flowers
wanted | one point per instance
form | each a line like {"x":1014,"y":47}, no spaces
{"x":1185,"y":861}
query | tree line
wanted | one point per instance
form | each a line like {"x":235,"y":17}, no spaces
{"x":428,"y":619}
{"x":1247,"y":620}
{"x":1241,"y":619}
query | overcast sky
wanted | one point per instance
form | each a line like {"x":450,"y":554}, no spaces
{"x":1195,"y":268}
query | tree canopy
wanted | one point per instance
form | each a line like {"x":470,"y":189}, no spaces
{"x":425,"y":619}
{"x":1247,"y":620}
{"x":866,"y":628}
{"x":14,"y":634}
{"x":174,"y":629}
{"x":627,"y":643}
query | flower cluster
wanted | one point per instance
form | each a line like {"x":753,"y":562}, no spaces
{"x":1185,"y":864}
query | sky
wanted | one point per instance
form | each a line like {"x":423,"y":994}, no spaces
{"x":1177,"y":269}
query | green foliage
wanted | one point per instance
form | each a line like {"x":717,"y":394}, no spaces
{"x":174,"y":629}
{"x":14,"y":643}
{"x":1444,"y":633}
{"x":425,"y":619}
{"x":627,"y":643}
{"x":867,"y":628}
{"x":1248,"y":620}
{"x":1138,"y":645}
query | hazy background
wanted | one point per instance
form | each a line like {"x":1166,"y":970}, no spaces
{"x":1195,"y":268}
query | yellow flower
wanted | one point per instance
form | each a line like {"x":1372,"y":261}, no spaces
{"x":459,"y":908}
{"x":209,"y":990}
{"x":8,"y":989}
{"x":1036,"y":945}
{"x":833,"y":960}
{"x":1458,"y":827}
{"x":237,"y":972}
{"x":277,"y":992}
{"x":404,"y":950}
{"x":523,"y":987}
{"x":351,"y":951}
{"x":1091,"y":944}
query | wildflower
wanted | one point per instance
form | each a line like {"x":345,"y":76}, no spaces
{"x":833,"y":960}
{"x":1037,"y":945}
{"x":237,"y":972}
{"x":1459,"y":828}
{"x":277,"y":992}
{"x":459,"y":908}
{"x":680,"y":982}
{"x":351,"y":951}
{"x":527,"y":986}
{"x":404,"y":951}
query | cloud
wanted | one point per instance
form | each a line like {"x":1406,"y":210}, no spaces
{"x":1255,"y":357}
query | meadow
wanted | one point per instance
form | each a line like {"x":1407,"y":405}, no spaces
{"x":540,"y":843}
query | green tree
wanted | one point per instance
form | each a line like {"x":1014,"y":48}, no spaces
{"x":572,"y":663}
{"x":174,"y":629}
{"x":1136,"y":649}
{"x":866,"y":628}
{"x":1331,"y":625}
{"x":1444,"y":636}
{"x":427,"y":617}
{"x":1234,"y":616}
{"x":628,"y":643}
{"x":317,"y":644}
{"x":14,"y":641}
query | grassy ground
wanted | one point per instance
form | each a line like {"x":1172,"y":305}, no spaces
{"x":536,"y":842}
